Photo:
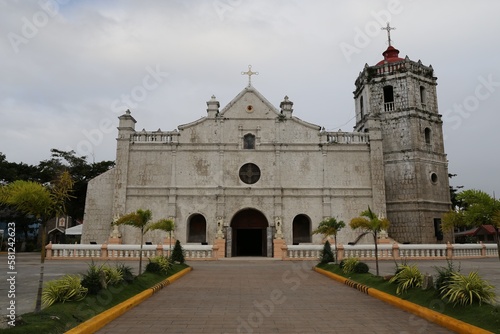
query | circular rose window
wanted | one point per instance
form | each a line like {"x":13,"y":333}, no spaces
{"x":249,"y":173}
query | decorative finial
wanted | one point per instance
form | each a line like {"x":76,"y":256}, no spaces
{"x":388,"y":28}
{"x":249,"y":73}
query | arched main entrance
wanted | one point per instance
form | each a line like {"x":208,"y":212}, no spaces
{"x":249,"y":233}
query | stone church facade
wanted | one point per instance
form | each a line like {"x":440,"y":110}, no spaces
{"x":251,"y":173}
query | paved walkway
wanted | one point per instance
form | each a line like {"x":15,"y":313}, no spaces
{"x":263,"y":296}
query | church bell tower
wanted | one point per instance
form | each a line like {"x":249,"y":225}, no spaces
{"x":398,"y":96}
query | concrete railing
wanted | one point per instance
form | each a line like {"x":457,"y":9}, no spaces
{"x":289,"y":252}
{"x":395,"y":251}
{"x":297,"y":252}
{"x":346,"y":137}
{"x":124,"y":251}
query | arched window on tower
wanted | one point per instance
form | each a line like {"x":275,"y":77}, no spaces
{"x":423,"y":98}
{"x":301,"y":229}
{"x":249,"y":141}
{"x":361,"y":107}
{"x":427,"y":135}
{"x":388,"y":98}
{"x":197,"y":229}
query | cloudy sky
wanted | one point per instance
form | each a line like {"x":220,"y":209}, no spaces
{"x":70,"y":68}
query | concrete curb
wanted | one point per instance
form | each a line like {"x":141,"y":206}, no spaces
{"x":94,"y":324}
{"x":423,"y":312}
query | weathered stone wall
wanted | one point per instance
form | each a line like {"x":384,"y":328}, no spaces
{"x":98,"y":208}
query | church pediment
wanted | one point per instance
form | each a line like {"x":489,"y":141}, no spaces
{"x":249,"y":104}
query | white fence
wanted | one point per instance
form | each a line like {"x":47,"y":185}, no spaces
{"x":395,"y":251}
{"x":123,"y":252}
{"x":291,"y":252}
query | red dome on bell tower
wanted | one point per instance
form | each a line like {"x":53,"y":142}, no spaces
{"x":391,"y":55}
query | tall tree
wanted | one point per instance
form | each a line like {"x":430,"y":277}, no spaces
{"x":476,"y":208}
{"x":328,"y":227}
{"x":138,"y":219}
{"x":41,"y":201}
{"x":370,"y":222}
{"x":82,"y":173}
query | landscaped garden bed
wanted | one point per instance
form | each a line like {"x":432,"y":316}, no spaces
{"x":467,"y":298}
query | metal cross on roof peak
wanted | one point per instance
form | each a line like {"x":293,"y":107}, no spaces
{"x":249,"y":73}
{"x":388,"y":28}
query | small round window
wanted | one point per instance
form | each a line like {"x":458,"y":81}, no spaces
{"x":434,"y":178}
{"x":249,"y":173}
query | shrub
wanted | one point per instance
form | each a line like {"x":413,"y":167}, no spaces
{"x":465,"y":290}
{"x":341,"y":264}
{"x":92,"y":279}
{"x":443,"y":276}
{"x":406,"y":277}
{"x":178,"y":253}
{"x":67,"y":288}
{"x":161,"y":265}
{"x":361,"y":268}
{"x":99,"y":277}
{"x":326,"y":254}
{"x":112,"y":275}
{"x":349,"y":265}
{"x":126,"y":271}
{"x":153,"y":267}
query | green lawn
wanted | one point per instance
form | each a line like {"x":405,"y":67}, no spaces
{"x":484,"y":316}
{"x":59,"y":318}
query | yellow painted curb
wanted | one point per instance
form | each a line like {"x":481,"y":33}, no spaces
{"x":95,"y":323}
{"x":423,"y":312}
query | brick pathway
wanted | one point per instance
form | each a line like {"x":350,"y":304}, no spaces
{"x":263,"y":296}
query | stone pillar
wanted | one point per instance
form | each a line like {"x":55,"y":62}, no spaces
{"x":449,"y":250}
{"x":104,"y":251}
{"x":170,"y":243}
{"x":229,"y":238}
{"x":220,"y":248}
{"x":340,"y":252}
{"x":159,"y":250}
{"x":279,"y":247}
{"x":48,"y":250}
{"x":395,"y":250}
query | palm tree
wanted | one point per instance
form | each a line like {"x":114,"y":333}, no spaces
{"x":138,"y":219}
{"x":43,"y":202}
{"x":166,"y":225}
{"x":369,"y":222}
{"x":328,"y":227}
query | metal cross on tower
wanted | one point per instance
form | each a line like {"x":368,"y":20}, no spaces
{"x":388,"y":28}
{"x":249,"y":73}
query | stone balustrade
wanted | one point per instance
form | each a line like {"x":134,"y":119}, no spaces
{"x":155,"y":137}
{"x":340,"y":137}
{"x":394,"y":251}
{"x":288,"y":252}
{"x":302,"y":252}
{"x":123,"y":252}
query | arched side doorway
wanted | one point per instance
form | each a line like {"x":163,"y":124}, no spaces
{"x":249,"y":234}
{"x":197,"y":229}
{"x":301,"y":229}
